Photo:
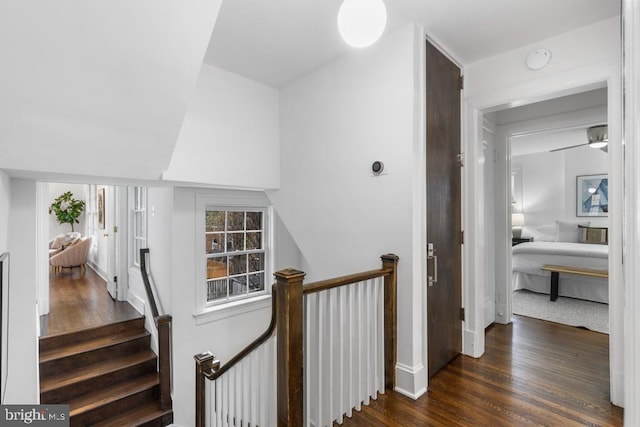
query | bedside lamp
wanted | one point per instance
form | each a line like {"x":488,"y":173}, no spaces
{"x":517,"y":221}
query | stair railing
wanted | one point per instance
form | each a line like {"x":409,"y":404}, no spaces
{"x":163,"y":325}
{"x":304,"y":316}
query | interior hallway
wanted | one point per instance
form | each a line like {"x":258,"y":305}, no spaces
{"x":80,"y":300}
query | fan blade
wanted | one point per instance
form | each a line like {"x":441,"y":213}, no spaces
{"x":566,"y":148}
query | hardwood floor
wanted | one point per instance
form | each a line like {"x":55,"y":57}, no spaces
{"x":80,"y":300}
{"x":533,"y":373}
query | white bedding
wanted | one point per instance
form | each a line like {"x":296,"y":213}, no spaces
{"x":529,"y":257}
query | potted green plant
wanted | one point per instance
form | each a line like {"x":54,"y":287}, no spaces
{"x":67,"y":209}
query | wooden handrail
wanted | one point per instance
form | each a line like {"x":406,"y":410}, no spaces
{"x":147,"y":284}
{"x":324,"y":285}
{"x":163,"y":325}
{"x":214,"y":374}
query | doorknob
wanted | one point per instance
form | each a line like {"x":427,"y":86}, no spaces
{"x":431,"y":280}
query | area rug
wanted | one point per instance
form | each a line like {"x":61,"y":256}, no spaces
{"x":568,"y":311}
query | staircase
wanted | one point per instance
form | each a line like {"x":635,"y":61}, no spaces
{"x":107,"y":375}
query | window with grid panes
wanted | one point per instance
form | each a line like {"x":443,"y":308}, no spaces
{"x":139,"y":222}
{"x":236,"y":254}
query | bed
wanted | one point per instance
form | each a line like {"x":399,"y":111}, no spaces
{"x":528,"y":258}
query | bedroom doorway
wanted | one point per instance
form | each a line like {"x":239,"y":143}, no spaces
{"x":546,"y":162}
{"x":500,"y":260}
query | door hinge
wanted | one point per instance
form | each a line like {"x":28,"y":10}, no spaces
{"x":462,"y":314}
{"x":115,"y":279}
{"x":460,"y":159}
{"x":462,"y":237}
{"x":460,"y":82}
{"x":115,"y":228}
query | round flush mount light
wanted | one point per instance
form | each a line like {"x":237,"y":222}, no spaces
{"x":538,"y":59}
{"x":361,"y":22}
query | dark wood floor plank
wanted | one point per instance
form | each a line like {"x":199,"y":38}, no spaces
{"x":533,"y":373}
{"x":80,"y":300}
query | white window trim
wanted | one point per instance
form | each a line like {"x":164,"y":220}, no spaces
{"x":205,"y":312}
{"x":131,"y":217}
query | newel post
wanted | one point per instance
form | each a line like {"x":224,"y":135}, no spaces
{"x":289,"y":347}
{"x":390,"y":320}
{"x":163,"y":323}
{"x":206,"y":363}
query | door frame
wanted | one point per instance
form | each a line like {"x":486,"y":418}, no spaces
{"x":579,"y":80}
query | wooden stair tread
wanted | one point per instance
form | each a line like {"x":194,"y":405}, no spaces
{"x":134,"y":417}
{"x":113,"y":393}
{"x":92,"y":344}
{"x":96,"y":369}
{"x":79,"y":335}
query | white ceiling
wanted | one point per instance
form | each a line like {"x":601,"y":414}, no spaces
{"x":278,"y":41}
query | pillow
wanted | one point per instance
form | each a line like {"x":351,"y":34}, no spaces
{"x":544,"y":233}
{"x":568,"y":231}
{"x":595,"y":235}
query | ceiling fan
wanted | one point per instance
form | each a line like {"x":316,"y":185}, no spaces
{"x":597,"y":137}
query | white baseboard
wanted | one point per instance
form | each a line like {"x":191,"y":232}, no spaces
{"x":411,"y":381}
{"x":136,"y":302}
{"x":471,"y":344}
{"x":99,"y":272}
{"x":617,"y":395}
{"x":501,"y":314}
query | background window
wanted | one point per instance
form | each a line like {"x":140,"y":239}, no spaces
{"x":235,"y":254}
{"x":139,"y":222}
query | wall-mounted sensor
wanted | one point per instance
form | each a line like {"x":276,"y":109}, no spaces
{"x":377,"y":167}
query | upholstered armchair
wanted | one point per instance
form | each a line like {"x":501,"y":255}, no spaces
{"x":73,"y":256}
{"x":61,"y":241}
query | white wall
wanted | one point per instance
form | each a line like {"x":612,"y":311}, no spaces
{"x":5,"y":199}
{"x":576,"y":56}
{"x":173,"y":260}
{"x":334,"y":123}
{"x":549,"y":185}
{"x":22,"y":383}
{"x":93,"y":81}
{"x":230,"y":134}
{"x":80,"y":193}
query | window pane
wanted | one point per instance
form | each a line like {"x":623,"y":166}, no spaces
{"x":254,"y":220}
{"x":256,"y":262}
{"x":254,"y":241}
{"x":214,"y":242}
{"x":235,"y":221}
{"x":216,"y":267}
{"x":256,"y":282}
{"x":235,"y":242}
{"x":237,"y":264}
{"x":214,"y":221}
{"x":237,"y":285}
{"x":216,"y":289}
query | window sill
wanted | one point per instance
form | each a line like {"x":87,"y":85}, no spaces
{"x":236,"y":308}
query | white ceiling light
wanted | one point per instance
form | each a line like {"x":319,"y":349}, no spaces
{"x":361,"y":22}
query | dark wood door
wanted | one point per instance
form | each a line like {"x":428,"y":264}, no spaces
{"x":444,"y":297}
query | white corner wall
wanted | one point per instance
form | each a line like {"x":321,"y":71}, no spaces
{"x":230,"y":134}
{"x":334,"y":123}
{"x":22,"y":383}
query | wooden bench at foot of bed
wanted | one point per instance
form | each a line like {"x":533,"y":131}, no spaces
{"x":557,"y":269}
